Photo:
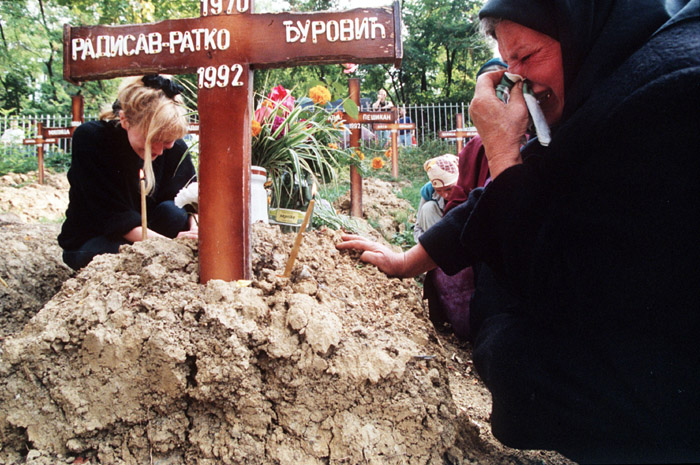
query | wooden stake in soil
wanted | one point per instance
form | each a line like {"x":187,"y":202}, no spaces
{"x":300,"y":234}
{"x":144,"y":218}
{"x":223,"y":46}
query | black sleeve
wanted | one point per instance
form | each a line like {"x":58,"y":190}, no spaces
{"x":442,"y":241}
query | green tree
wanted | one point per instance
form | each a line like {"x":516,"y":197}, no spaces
{"x":442,"y":50}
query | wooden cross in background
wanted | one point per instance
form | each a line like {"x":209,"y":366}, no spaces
{"x":46,"y":136}
{"x":223,"y":45}
{"x":460,"y":133}
{"x":355,"y":127}
{"x":394,"y":128}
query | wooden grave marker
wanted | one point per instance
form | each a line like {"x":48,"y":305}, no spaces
{"x":394,"y":128}
{"x":355,"y":127}
{"x":223,"y":46}
{"x":460,"y":133}
{"x":52,"y":135}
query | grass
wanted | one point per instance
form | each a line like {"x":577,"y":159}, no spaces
{"x":21,"y":159}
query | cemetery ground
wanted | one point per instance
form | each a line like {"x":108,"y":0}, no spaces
{"x":131,"y":361}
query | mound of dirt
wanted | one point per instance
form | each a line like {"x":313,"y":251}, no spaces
{"x":23,"y":198}
{"x":381,"y":206}
{"x":134,"y":362}
{"x":31,"y":272}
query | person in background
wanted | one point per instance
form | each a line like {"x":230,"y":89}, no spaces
{"x":405,"y":135}
{"x":382,"y":104}
{"x":14,"y":135}
{"x":442,"y":174}
{"x":448,"y":296}
{"x":588,"y":340}
{"x":142,"y":131}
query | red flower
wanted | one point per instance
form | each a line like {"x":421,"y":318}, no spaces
{"x":282,"y":96}
{"x":349,"y":68}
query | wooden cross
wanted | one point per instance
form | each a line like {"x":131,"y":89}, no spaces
{"x":223,"y":45}
{"x":460,"y":133}
{"x":394,"y":128}
{"x":47,"y":136}
{"x":355,"y":127}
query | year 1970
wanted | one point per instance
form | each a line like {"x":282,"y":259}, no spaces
{"x":216,"y":7}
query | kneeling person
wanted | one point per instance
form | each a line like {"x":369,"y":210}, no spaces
{"x":443,"y":173}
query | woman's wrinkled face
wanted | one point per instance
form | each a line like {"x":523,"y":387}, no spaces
{"x":137,"y":139}
{"x":537,"y":58}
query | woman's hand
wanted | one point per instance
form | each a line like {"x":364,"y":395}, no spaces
{"x":191,"y":234}
{"x":398,"y":264}
{"x":501,"y":126}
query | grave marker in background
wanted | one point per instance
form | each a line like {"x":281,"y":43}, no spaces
{"x":47,"y":136}
{"x":460,"y":133}
{"x":355,"y":127}
{"x":394,"y":128}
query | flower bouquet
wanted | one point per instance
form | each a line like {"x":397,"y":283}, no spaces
{"x":296,"y":142}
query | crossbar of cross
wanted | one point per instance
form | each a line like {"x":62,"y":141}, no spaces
{"x":224,"y":46}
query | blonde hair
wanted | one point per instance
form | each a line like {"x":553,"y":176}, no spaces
{"x":160,"y":117}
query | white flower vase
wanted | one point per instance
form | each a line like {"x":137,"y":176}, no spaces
{"x":258,"y":195}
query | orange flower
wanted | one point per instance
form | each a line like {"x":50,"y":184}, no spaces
{"x":377,"y":163}
{"x":359,"y":154}
{"x":333,"y":146}
{"x":255,"y":128}
{"x":320,"y":95}
{"x":387,"y":153}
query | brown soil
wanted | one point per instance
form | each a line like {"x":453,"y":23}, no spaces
{"x":131,"y":361}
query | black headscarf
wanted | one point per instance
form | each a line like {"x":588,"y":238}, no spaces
{"x":595,"y":36}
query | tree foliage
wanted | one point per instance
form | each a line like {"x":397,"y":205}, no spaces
{"x":442,"y":51}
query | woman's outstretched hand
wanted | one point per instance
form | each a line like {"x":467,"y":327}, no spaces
{"x":191,"y":234}
{"x":398,"y":264}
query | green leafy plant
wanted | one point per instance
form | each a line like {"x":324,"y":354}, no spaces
{"x":295,"y":141}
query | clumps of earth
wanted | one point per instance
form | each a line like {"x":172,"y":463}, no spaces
{"x":132,"y":361}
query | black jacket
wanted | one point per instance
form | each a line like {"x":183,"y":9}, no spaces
{"x":104,"y":195}
{"x":597,"y":241}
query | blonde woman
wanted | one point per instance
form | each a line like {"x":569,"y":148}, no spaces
{"x":142,"y":131}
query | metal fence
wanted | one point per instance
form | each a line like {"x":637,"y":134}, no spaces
{"x":433,"y":118}
{"x":429,"y":119}
{"x":14,"y":129}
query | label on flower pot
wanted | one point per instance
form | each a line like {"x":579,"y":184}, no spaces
{"x":286,"y":216}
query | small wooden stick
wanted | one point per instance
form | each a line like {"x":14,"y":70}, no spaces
{"x":144,"y":219}
{"x":297,"y":240}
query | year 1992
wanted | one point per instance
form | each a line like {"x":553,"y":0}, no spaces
{"x":220,"y":76}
